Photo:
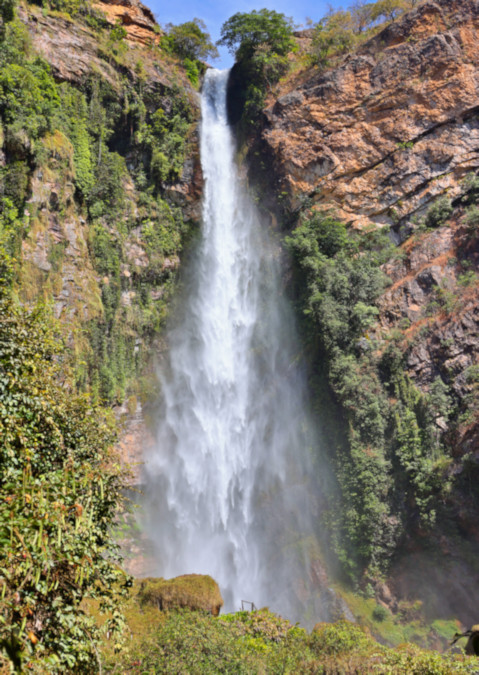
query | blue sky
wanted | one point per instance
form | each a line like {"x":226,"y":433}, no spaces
{"x":215,"y":12}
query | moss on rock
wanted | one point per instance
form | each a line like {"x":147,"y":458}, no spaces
{"x":193,"y":591}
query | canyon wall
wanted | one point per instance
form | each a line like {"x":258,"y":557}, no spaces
{"x":386,"y":137}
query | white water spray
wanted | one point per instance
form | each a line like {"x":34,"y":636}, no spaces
{"x":227,"y":485}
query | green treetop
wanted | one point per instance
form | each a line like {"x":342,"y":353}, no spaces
{"x":190,"y":40}
{"x":244,"y":32}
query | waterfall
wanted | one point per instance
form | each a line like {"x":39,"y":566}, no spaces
{"x":228,"y":484}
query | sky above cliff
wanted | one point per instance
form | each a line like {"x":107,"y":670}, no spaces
{"x":215,"y":12}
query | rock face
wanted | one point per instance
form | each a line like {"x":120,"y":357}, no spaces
{"x":74,"y":50}
{"x":57,"y":256}
{"x":137,"y":19}
{"x":394,"y":125}
{"x":379,"y":136}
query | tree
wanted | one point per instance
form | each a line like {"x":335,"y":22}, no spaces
{"x":190,"y":40}
{"x":388,"y":9}
{"x":261,"y":41}
{"x":334,"y":34}
{"x":362,"y":15}
{"x":244,"y":32}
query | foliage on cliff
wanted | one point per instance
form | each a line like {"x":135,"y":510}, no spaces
{"x":64,"y":148}
{"x":191,"y":42}
{"x":60,"y":488}
{"x":394,"y":454}
{"x":260,"y":41}
{"x":341,"y":30}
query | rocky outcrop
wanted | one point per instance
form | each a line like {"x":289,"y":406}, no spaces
{"x":73,"y":49}
{"x":434,"y":302}
{"x":395,"y":124}
{"x":193,"y":591}
{"x":137,"y":19}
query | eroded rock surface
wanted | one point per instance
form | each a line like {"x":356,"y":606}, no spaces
{"x":137,"y":19}
{"x":394,"y":125}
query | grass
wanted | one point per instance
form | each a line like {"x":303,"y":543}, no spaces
{"x":395,"y":629}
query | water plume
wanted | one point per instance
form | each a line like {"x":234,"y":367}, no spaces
{"x":228,"y":484}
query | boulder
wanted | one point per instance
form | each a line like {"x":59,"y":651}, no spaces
{"x":192,"y":591}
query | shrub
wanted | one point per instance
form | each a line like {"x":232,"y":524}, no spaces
{"x":334,"y":34}
{"x":471,"y":189}
{"x":60,"y":489}
{"x":472,"y":218}
{"x":191,"y":591}
{"x":380,"y":613}
{"x":192,"y":71}
{"x":439,"y":212}
{"x":338,"y":638}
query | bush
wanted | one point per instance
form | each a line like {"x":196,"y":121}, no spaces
{"x":472,"y":218}
{"x":380,"y":613}
{"x":338,"y":638}
{"x":333,"y":35}
{"x":471,"y":189}
{"x":60,"y":490}
{"x":439,"y":212}
{"x":191,"y":591}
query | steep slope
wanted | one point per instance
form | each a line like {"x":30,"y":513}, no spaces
{"x":105,"y":188}
{"x":385,"y":138}
{"x":393,"y":126}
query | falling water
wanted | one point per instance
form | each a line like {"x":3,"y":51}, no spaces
{"x":228,"y":485}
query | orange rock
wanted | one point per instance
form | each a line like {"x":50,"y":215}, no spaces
{"x":391,"y":127}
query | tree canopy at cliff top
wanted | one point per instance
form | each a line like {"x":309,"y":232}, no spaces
{"x":244,"y":32}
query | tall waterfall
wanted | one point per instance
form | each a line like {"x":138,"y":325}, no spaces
{"x":228,"y":489}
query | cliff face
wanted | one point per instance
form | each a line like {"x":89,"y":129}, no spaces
{"x":392,"y":127}
{"x":379,"y":138}
{"x":387,"y":137}
{"x":105,"y":188}
{"x":137,"y":19}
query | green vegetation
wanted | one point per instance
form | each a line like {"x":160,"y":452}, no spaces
{"x":192,"y":43}
{"x":261,"y":642}
{"x":393,"y":453}
{"x":70,"y":7}
{"x":60,"y":489}
{"x":244,"y":33}
{"x":194,"y":591}
{"x":342,"y":30}
{"x":260,"y":41}
{"x":79,"y":136}
{"x":439,"y":212}
{"x":408,"y":624}
{"x":189,"y":40}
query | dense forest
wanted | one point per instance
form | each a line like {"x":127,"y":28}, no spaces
{"x":99,"y":203}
